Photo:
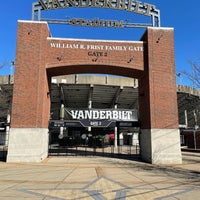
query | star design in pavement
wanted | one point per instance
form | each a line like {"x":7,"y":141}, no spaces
{"x":103,"y":188}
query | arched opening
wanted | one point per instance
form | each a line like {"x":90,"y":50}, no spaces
{"x":81,"y":111}
{"x":94,"y":69}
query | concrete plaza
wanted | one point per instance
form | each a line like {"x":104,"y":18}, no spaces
{"x":100,"y":178}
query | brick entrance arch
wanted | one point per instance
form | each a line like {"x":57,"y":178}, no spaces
{"x":39,"y":57}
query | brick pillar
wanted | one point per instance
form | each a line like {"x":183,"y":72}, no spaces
{"x":160,"y":139}
{"x":31,"y":101}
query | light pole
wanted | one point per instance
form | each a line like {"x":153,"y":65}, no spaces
{"x":196,"y":119}
{"x":179,"y":75}
{"x":12,"y":64}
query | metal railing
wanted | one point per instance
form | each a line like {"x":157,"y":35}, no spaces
{"x":122,"y":151}
{"x":3,"y":145}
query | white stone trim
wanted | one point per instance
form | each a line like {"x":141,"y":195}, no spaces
{"x":161,"y":28}
{"x":161,"y":146}
{"x":33,"y":22}
{"x":28,"y":144}
{"x":94,"y":40}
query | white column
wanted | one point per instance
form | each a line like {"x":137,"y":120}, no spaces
{"x":62,"y":114}
{"x":7,"y":130}
{"x":115,"y":143}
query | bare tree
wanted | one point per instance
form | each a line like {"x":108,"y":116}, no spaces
{"x":194,"y":73}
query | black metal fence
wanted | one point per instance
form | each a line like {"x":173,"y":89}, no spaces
{"x":3,"y":145}
{"x":191,"y":139}
{"x":94,"y":148}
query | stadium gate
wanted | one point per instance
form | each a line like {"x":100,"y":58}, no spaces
{"x":94,"y":132}
{"x":40,"y":57}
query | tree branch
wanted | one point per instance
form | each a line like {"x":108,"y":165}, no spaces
{"x":194,"y":73}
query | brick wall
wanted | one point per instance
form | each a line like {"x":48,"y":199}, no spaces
{"x":157,"y":88}
{"x":30,"y":106}
{"x":94,"y":57}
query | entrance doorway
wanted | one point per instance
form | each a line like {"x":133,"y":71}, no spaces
{"x":86,"y":126}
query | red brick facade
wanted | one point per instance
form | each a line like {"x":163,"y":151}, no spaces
{"x":39,"y":57}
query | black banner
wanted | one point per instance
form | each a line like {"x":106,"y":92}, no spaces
{"x":102,"y":114}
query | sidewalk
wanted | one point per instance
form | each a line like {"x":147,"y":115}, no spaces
{"x":98,"y":178}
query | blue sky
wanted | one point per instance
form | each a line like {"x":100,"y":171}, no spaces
{"x":183,"y":16}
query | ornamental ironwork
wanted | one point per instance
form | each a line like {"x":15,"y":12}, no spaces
{"x":134,"y":6}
